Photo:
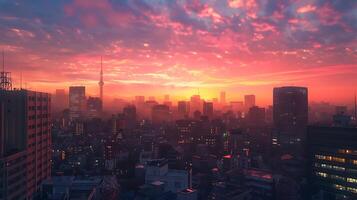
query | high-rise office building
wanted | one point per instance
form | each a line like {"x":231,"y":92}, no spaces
{"x":237,"y":106}
{"x":59,"y":101}
{"x":25,"y":142}
{"x":183,"y":108}
{"x":208,"y":109}
{"x":332,"y":153}
{"x":129,"y":113}
{"x":249,"y":101}
{"x":77,"y":102}
{"x":94,"y":107}
{"x":290,"y":114}
{"x":195,"y":104}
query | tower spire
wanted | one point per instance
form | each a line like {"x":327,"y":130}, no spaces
{"x":355,"y":108}
{"x":101,"y":82}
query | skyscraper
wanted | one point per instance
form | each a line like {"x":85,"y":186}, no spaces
{"x":25,"y":142}
{"x":129,"y":113}
{"x":101,"y":81}
{"x":77,"y":102}
{"x":183,"y":108}
{"x":94,"y":107}
{"x":59,"y":101}
{"x":290,"y":114}
{"x":249,"y":101}
{"x":195,"y":104}
{"x":208,"y":109}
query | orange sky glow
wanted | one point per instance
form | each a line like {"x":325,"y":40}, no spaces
{"x":154,"y":48}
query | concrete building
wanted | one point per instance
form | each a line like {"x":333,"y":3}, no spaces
{"x":174,"y":180}
{"x":25,"y":137}
{"x":332,"y":153}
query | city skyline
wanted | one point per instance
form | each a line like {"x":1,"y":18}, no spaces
{"x":178,"y":47}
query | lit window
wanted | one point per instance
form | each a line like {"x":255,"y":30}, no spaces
{"x":352,"y":180}
{"x":339,"y":187}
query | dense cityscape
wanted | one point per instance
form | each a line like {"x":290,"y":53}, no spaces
{"x":178,"y":100}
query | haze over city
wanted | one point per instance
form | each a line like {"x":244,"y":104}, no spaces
{"x":154,"y":47}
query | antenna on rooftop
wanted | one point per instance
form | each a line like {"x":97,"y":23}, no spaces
{"x":5,"y":77}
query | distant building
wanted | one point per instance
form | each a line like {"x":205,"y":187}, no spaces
{"x":237,"y":106}
{"x":160,"y":114}
{"x":249,"y":101}
{"x":185,"y":129}
{"x":94,"y":107}
{"x":77,"y":102}
{"x":195,"y":104}
{"x":183,"y":109}
{"x":60,"y":100}
{"x":332,"y":153}
{"x":130,"y":117}
{"x":208,"y":109}
{"x":256,"y":116}
{"x":25,"y":142}
{"x":290,"y":114}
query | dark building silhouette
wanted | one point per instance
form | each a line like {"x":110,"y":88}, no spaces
{"x":256,"y":116}
{"x":160,"y":114}
{"x":59,"y":101}
{"x":129,"y":113}
{"x":25,"y":142}
{"x":208,"y":109}
{"x":290,"y":114}
{"x":183,"y":108}
{"x":249,"y":101}
{"x":332,"y":153}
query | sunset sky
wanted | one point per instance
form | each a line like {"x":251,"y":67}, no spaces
{"x":155,"y":47}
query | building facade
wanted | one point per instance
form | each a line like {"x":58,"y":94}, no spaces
{"x":25,"y":140}
{"x":290,"y":114}
{"x":332,"y":153}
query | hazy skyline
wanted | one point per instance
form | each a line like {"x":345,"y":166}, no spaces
{"x":175,"y":47}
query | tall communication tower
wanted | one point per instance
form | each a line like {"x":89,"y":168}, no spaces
{"x":5,"y":77}
{"x":101,"y":82}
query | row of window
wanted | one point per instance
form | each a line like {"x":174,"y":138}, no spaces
{"x":32,"y":98}
{"x":38,"y":125}
{"x":336,"y":177}
{"x":327,"y":166}
{"x":347,"y":151}
{"x":32,"y":117}
{"x":343,"y":188}
{"x":335,"y":159}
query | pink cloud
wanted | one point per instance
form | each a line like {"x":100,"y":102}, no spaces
{"x":306,"y":8}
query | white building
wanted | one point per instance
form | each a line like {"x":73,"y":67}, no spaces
{"x":175,"y":180}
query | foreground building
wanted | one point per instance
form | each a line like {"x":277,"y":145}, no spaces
{"x":25,"y":142}
{"x":290,"y":113}
{"x":333,"y":161}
